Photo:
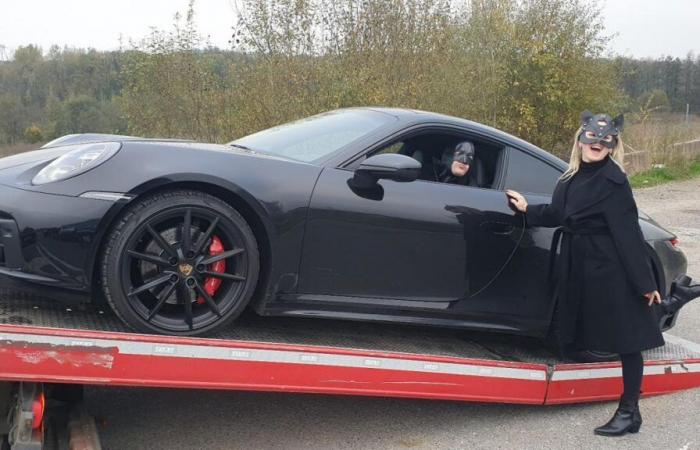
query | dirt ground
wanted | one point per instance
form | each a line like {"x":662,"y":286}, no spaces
{"x":676,"y":206}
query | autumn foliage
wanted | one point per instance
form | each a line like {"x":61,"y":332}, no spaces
{"x":525,"y":66}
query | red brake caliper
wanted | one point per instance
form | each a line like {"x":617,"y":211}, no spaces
{"x":211,"y":284}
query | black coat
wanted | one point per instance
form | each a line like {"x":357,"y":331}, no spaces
{"x":603,"y":269}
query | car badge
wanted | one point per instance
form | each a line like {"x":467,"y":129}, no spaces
{"x":186,"y":269}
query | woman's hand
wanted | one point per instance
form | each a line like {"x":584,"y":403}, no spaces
{"x":653,"y":297}
{"x":517,"y":200}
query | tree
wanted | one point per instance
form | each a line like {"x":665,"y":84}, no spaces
{"x":554,"y":71}
{"x":171,"y":87}
{"x":11,"y":123}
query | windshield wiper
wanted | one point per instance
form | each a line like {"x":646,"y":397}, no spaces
{"x":242,"y":147}
{"x":262,"y":152}
{"x":252,"y":150}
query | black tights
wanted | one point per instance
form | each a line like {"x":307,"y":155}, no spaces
{"x":632,"y":370}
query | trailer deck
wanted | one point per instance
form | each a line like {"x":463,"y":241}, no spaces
{"x":42,"y":340}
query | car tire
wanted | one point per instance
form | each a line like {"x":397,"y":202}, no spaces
{"x":155,"y":273}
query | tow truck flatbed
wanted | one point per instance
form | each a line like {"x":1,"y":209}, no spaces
{"x":44,"y":341}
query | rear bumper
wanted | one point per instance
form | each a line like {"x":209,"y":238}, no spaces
{"x":669,"y":264}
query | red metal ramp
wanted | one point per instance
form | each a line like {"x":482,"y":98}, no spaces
{"x":673,"y":367}
{"x":42,"y":341}
{"x":53,"y":355}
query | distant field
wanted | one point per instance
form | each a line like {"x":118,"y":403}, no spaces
{"x":658,"y":133}
{"x":675,"y":171}
{"x":8,"y":150}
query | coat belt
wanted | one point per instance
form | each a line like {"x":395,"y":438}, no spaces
{"x":558,"y":237}
{"x":568,"y":307}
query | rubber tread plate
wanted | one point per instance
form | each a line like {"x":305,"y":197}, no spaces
{"x":21,"y":308}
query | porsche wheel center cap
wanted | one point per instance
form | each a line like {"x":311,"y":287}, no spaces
{"x":186,"y":269}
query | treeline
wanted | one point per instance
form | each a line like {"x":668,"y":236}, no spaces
{"x":64,"y":91}
{"x":526,"y":66}
{"x":665,"y":84}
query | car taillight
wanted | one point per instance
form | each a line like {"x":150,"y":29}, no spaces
{"x":38,"y":407}
{"x":674,"y":242}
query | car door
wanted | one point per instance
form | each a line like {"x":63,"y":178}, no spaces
{"x":418,"y":241}
{"x":522,"y":289}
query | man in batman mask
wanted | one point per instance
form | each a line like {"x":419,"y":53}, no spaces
{"x":462,"y":161}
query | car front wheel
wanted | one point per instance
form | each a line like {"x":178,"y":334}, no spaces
{"x":180,"y":262}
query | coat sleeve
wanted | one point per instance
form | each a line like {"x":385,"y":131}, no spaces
{"x":623,"y":222}
{"x":544,"y":215}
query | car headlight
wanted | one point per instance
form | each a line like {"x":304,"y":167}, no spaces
{"x":82,"y":158}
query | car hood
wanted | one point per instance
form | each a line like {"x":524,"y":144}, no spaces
{"x":88,"y":138}
{"x":205,"y":147}
{"x":18,"y":170}
{"x":36,"y":156}
{"x":58,"y":147}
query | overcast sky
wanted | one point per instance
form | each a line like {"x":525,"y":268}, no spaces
{"x":644,"y":28}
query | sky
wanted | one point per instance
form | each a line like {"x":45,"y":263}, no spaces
{"x":643,"y":28}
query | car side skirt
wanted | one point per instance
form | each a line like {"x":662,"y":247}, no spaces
{"x":382,"y":310}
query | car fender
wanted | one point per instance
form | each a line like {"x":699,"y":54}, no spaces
{"x":208,"y":183}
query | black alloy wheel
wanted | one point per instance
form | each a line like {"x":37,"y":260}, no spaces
{"x":180,"y":262}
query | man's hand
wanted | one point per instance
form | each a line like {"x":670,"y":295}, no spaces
{"x":653,"y":297}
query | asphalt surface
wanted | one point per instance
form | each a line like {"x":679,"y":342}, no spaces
{"x":138,"y":418}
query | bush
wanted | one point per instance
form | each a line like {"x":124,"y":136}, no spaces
{"x":33,"y":134}
{"x":523,"y":66}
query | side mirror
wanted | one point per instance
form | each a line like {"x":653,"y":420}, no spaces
{"x":389,"y":166}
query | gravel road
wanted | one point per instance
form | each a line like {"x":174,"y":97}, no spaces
{"x":676,"y":206}
{"x":171,"y":419}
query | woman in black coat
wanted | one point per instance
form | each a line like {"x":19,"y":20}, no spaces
{"x":604,"y":283}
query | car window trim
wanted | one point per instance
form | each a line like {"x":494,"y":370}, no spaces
{"x":501,"y":169}
{"x":416,"y":129}
{"x":531,"y":154}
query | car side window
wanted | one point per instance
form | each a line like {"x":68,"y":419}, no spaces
{"x":435,"y":151}
{"x":393,"y":148}
{"x":527,"y":173}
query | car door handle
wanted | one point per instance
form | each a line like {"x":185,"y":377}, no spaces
{"x":498,"y":227}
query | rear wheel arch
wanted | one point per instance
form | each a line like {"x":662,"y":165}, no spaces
{"x":252,"y":215}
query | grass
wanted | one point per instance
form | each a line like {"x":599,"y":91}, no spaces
{"x":17,"y":148}
{"x":675,"y":171}
{"x":657,"y":134}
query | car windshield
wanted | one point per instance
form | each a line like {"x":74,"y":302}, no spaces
{"x":315,"y":137}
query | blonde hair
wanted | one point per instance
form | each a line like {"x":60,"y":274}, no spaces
{"x":617,"y":155}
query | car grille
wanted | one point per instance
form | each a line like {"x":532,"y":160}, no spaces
{"x":10,"y":253}
{"x":3,"y":262}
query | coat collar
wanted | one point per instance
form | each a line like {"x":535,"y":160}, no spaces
{"x":597,"y":188}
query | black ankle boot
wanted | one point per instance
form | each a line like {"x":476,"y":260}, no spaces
{"x":682,"y":292}
{"x":627,"y":419}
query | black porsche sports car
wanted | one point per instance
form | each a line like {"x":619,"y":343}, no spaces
{"x":339,"y":215}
